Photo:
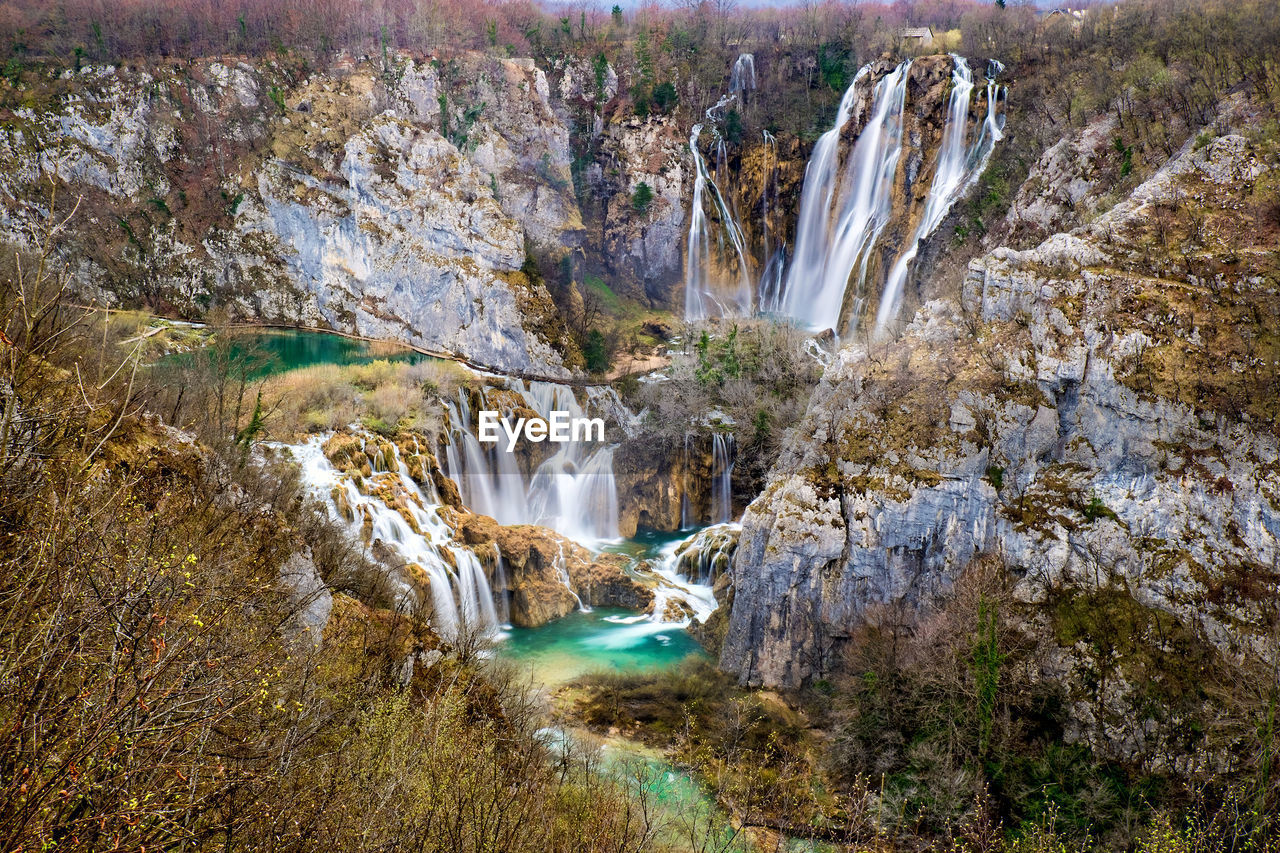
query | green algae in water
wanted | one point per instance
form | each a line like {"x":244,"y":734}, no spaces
{"x":602,"y":640}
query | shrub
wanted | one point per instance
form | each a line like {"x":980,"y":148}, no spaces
{"x":642,"y":198}
{"x":595,"y":352}
{"x":665,"y":97}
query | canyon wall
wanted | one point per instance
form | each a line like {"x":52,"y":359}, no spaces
{"x":1096,"y":413}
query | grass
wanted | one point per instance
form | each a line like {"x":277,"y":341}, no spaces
{"x":610,"y":302}
{"x":384,"y":396}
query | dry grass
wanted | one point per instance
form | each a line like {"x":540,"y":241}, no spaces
{"x":385,"y":396}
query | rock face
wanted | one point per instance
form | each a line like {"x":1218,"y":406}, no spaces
{"x":311,"y":598}
{"x":1086,"y":413}
{"x":605,"y":582}
{"x":388,"y":204}
{"x":658,"y":479}
{"x":398,"y":250}
{"x":548,"y":576}
{"x":501,"y":113}
{"x":642,"y":251}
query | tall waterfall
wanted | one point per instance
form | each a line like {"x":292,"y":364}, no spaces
{"x":573,"y":491}
{"x":461,"y":597}
{"x":842,"y":212}
{"x":957,"y":167}
{"x":743,"y":75}
{"x":716,"y":269}
{"x":717,"y":284}
{"x":722,"y":448}
{"x":775,"y":257}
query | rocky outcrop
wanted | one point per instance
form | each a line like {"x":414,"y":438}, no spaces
{"x":388,"y":203}
{"x":1038,"y":421}
{"x":310,"y":598}
{"x":653,"y":481}
{"x":664,"y":482}
{"x":1065,"y":186}
{"x":606,"y":581}
{"x":641,"y":251}
{"x":548,"y":576}
{"x":501,"y":115}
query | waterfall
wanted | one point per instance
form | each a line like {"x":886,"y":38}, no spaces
{"x":561,"y":565}
{"x":573,"y":491}
{"x":992,"y":128}
{"x":704,"y":556}
{"x":775,"y":257}
{"x":743,"y":75}
{"x":956,"y":168}
{"x":693,"y":597}
{"x":707,"y":292}
{"x":842,"y":212}
{"x":722,"y":453}
{"x":462,"y":599}
{"x":488,"y":478}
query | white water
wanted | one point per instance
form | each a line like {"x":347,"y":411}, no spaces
{"x":842,"y":212}
{"x":956,"y":168}
{"x":722,"y":458}
{"x":701,"y":553}
{"x":743,"y":76}
{"x":716,"y":284}
{"x":573,"y":491}
{"x":561,"y":565}
{"x":696,"y":598}
{"x":462,"y":600}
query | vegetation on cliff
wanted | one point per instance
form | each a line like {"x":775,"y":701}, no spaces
{"x":164,"y":682}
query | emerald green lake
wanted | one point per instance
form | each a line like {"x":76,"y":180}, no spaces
{"x":290,"y":349}
{"x":602,"y":640}
{"x":282,"y":350}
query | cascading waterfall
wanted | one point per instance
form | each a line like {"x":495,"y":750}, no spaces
{"x":992,"y":127}
{"x":719,"y":285}
{"x":687,"y":595}
{"x":710,"y":288}
{"x":843,"y":212}
{"x":722,"y":458}
{"x":743,"y":75}
{"x":957,"y":167}
{"x":573,"y":491}
{"x":561,"y":565}
{"x":462,"y":599}
{"x":488,"y":478}
{"x":775,"y":257}
{"x":705,"y":555}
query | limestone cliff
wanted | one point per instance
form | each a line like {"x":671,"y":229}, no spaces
{"x":1097,"y":413}
{"x":385,"y":202}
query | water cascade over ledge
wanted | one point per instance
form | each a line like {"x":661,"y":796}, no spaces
{"x":573,"y":492}
{"x":958,"y":167}
{"x":855,"y":202}
{"x":843,"y":211}
{"x":461,"y":596}
{"x":717,"y":282}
